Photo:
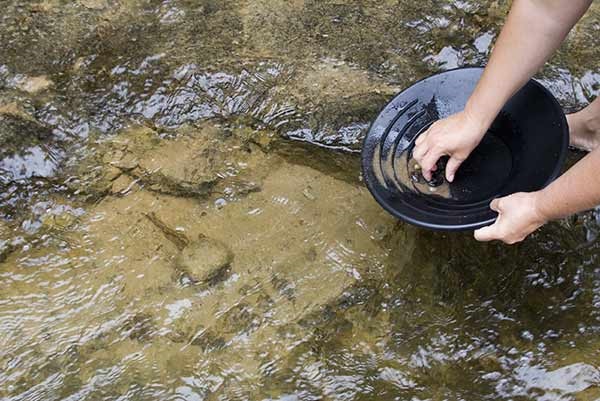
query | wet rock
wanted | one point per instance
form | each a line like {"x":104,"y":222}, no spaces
{"x":208,"y":341}
{"x":340,"y":165}
{"x":34,"y":85}
{"x":122,"y":185}
{"x":332,"y":80}
{"x":132,"y":143}
{"x":15,"y":110}
{"x":308,"y":194}
{"x":6,"y":246}
{"x":241,"y":318}
{"x":205,"y":260}
{"x":233,"y":189}
{"x":19,"y":130}
{"x":182,"y":167}
{"x":43,"y":6}
{"x":27,"y":148}
{"x":177,"y":336}
{"x":92,"y":179}
{"x":58,"y":219}
{"x":94,"y":4}
{"x":264,"y":138}
{"x":53,"y":216}
{"x":139,"y":327}
{"x":179,"y":239}
{"x":348,"y":98}
{"x":112,"y":173}
{"x":177,"y":167}
{"x":190,"y":164}
{"x":220,"y":203}
{"x":283,"y":286}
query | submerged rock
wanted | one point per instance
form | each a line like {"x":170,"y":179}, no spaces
{"x":19,"y":130}
{"x":6,"y":246}
{"x":26,"y":146}
{"x":139,"y":327}
{"x":189,"y":164}
{"x":34,"y":85}
{"x":92,"y":179}
{"x":122,"y":185}
{"x":179,"y":239}
{"x":205,"y":260}
{"x":94,"y":4}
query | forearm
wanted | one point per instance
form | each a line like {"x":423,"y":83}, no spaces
{"x":533,"y":31}
{"x":576,"y":190}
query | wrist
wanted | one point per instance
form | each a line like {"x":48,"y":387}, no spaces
{"x":480,"y":117}
{"x":540,"y":214}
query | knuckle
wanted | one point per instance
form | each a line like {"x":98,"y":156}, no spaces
{"x":510,"y":238}
{"x":515,"y":240}
{"x":482,"y":237}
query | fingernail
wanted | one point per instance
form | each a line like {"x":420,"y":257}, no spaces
{"x":451,"y":177}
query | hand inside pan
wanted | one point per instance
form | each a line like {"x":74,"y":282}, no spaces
{"x":437,"y":175}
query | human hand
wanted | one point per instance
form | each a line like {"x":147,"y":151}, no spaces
{"x":455,"y":136}
{"x":518,"y":216}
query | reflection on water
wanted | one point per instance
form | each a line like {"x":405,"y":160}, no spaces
{"x":182,"y":216}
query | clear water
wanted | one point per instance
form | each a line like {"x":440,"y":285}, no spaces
{"x":182,"y":216}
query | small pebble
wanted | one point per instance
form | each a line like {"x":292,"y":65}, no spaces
{"x":306,"y":192}
{"x":220,"y":203}
{"x":527,"y":335}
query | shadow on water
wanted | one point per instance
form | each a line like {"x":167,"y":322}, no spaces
{"x":182,"y":215}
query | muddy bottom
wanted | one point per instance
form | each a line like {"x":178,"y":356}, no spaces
{"x":182,"y":215}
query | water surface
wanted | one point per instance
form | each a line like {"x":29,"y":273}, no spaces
{"x":182,"y":215}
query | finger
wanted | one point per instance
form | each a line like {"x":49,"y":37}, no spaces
{"x":495,"y":205}
{"x":419,"y":151}
{"x":428,"y":162}
{"x":488,"y":233}
{"x":421,"y":137}
{"x":451,"y":168}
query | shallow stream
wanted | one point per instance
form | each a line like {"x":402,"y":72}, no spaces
{"x":182,"y":215}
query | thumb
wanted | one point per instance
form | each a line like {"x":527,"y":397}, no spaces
{"x":486,"y":233}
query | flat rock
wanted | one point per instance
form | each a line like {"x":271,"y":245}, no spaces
{"x":34,"y":84}
{"x":188,"y":165}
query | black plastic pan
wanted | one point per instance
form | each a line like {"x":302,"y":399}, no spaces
{"x":523,"y":150}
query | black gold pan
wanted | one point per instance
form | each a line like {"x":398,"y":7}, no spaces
{"x":523,"y":150}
